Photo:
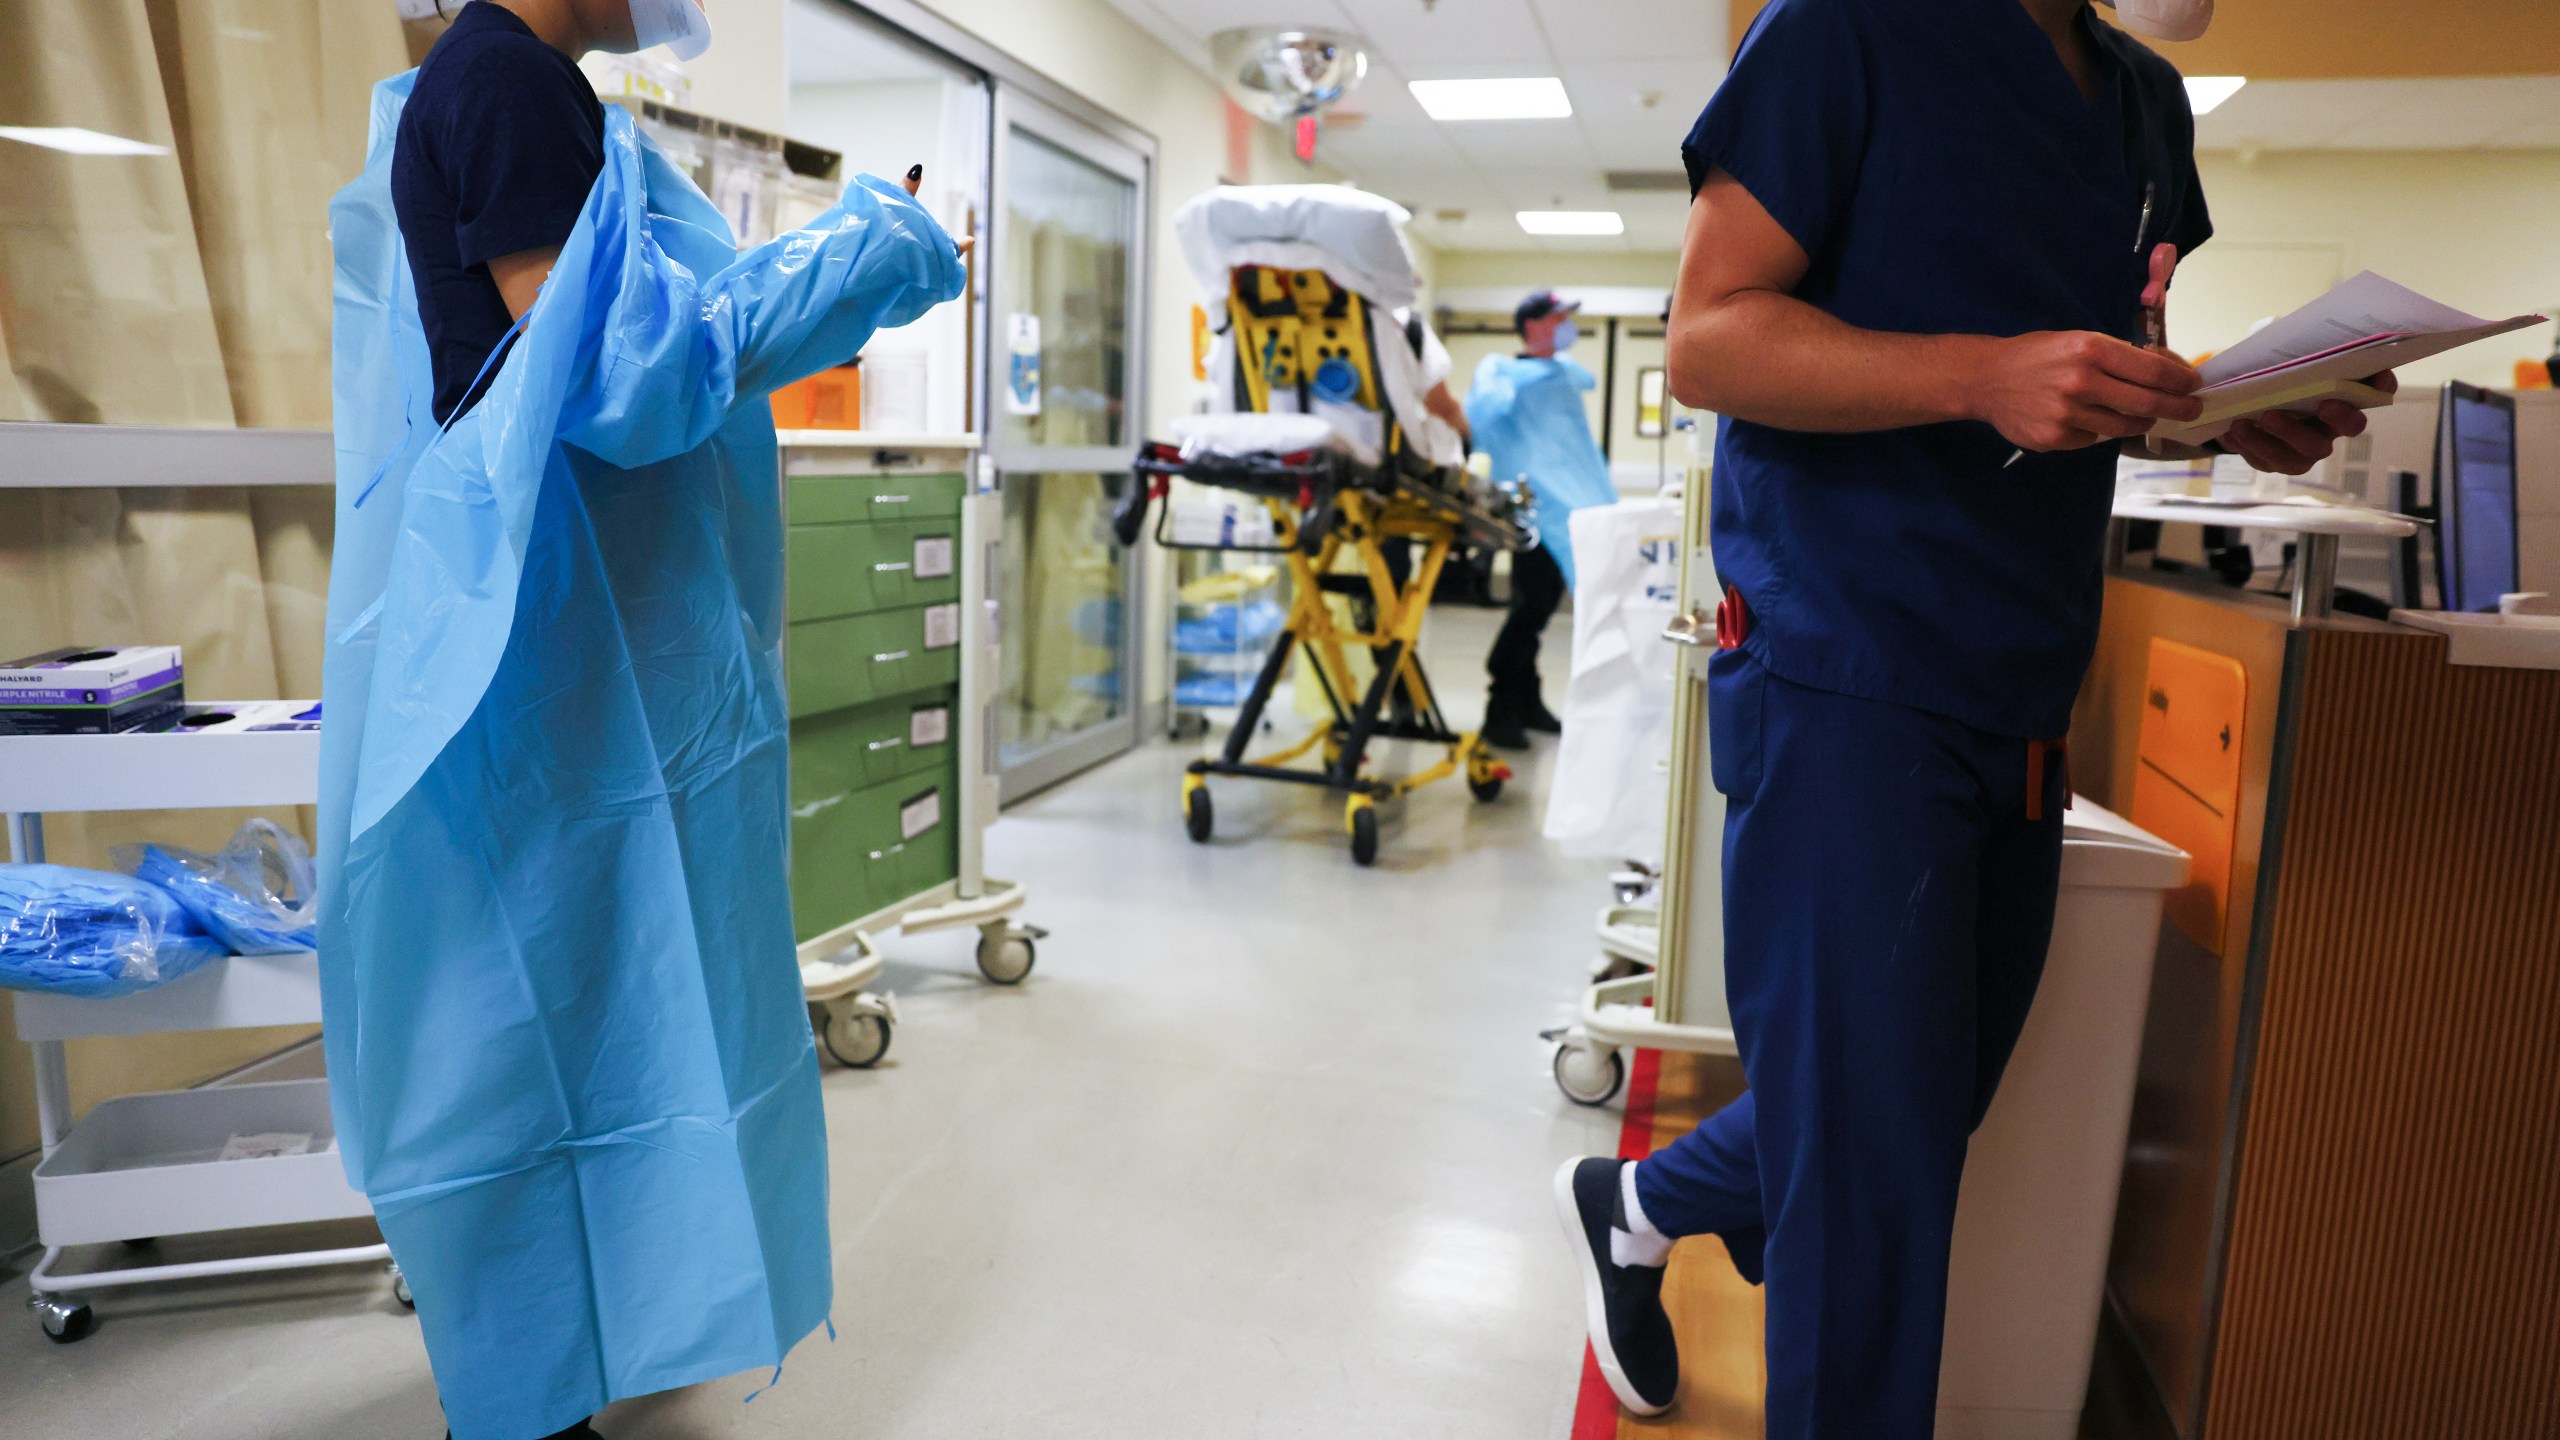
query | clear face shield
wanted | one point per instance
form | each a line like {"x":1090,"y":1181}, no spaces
{"x":680,"y":25}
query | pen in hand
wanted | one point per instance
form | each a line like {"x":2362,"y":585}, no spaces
{"x":2155,"y":308}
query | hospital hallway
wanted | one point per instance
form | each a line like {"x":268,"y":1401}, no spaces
{"x":1262,"y":1148}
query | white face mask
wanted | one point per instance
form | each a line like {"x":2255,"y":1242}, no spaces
{"x":2164,"y":19}
{"x":680,"y":25}
{"x":1565,"y":335}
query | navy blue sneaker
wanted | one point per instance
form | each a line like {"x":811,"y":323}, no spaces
{"x":1622,"y":1304}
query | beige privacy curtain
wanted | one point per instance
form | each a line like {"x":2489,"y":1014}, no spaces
{"x":188,"y":287}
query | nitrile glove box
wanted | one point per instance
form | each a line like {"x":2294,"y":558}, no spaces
{"x":100,"y":690}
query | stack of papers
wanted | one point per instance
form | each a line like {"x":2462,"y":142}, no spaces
{"x":2322,"y":351}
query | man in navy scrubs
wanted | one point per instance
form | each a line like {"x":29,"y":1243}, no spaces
{"x":1920,"y":245}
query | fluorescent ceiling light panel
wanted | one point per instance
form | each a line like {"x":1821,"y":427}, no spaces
{"x":1536,"y":97}
{"x":1571,"y":222}
{"x":2206,"y":91}
{"x":77,"y":141}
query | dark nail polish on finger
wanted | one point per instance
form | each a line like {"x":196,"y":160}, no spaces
{"x":915,"y":172}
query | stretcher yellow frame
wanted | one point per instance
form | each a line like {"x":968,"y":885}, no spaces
{"x":1396,"y":704}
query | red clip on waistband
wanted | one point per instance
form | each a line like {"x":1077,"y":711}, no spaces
{"x":1733,"y":620}
{"x":2040,"y":755}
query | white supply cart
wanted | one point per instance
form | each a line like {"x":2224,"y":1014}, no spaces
{"x":875,"y":504}
{"x":1676,"y":1000}
{"x":143,"y":1166}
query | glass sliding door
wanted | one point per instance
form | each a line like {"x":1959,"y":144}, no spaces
{"x":1064,"y":379}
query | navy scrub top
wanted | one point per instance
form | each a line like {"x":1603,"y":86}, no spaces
{"x":1945,"y":175}
{"x":497,"y":148}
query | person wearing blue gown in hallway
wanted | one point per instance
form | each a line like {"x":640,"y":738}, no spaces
{"x":1527,"y":417}
{"x":568,"y":1052}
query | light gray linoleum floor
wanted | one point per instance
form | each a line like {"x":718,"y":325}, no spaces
{"x":1261,"y":1150}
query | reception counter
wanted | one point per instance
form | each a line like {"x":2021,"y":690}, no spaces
{"x":2341,"y":1205}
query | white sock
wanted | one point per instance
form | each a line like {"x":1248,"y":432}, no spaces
{"x":1639,"y":1243}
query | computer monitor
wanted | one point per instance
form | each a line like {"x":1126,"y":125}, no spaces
{"x":2476,"y":557}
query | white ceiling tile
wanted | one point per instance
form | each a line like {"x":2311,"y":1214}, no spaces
{"x":1451,"y":38}
{"x":1632,"y":29}
{"x":1611,"y":91}
{"x":1511,"y":144}
{"x":1638,"y":144}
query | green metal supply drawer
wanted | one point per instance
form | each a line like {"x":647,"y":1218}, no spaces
{"x":854,"y":852}
{"x":853,"y":749}
{"x":855,"y":659}
{"x":835,"y":499}
{"x":851,"y":567}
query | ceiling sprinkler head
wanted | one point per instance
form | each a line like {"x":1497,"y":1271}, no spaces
{"x":1287,"y":72}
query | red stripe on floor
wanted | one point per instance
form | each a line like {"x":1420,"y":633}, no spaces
{"x":1595,"y":1410}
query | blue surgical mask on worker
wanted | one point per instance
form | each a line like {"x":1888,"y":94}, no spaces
{"x":2164,"y":19}
{"x":1565,"y":335}
{"x":680,"y":25}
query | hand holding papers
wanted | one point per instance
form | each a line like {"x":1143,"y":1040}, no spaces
{"x":2324,"y":351}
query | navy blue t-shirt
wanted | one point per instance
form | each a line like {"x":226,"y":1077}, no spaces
{"x":498,"y":146}
{"x":1946,"y":176}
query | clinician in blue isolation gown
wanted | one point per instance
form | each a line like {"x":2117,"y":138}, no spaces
{"x":1924,"y":240}
{"x":1526,"y":413}
{"x":567,"y":1046}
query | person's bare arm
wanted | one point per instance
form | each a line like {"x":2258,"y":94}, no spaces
{"x":1742,"y":345}
{"x":1445,"y":405}
{"x":520,"y":277}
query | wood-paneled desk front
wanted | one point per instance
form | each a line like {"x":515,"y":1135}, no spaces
{"x":2341,"y":1208}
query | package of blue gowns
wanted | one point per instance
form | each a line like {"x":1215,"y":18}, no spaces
{"x":1526,"y":413}
{"x":93,"y":934}
{"x":254,"y":894}
{"x":568,"y":1052}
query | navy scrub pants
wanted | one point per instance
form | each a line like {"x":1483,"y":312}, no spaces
{"x":1887,"y":901}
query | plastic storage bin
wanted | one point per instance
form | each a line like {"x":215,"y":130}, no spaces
{"x":2039,"y":1200}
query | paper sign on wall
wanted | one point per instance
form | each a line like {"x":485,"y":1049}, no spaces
{"x":1022,"y":364}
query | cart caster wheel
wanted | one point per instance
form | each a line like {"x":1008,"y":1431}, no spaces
{"x":1486,"y":791}
{"x":64,"y":1322}
{"x":1006,"y":956}
{"x":1587,"y":1075}
{"x":1364,"y":833}
{"x":857,"y":1040}
{"x":1199,"y":817}
{"x":400,"y":1290}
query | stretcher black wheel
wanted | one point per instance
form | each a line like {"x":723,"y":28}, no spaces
{"x":1199,"y":817}
{"x":1486,"y":790}
{"x":1364,"y":835}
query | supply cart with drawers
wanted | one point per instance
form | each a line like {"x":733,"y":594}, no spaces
{"x":890,"y":658}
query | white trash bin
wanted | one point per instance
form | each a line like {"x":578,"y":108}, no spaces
{"x":2029,"y":1268}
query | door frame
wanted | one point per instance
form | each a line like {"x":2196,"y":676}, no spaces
{"x":1111,"y":149}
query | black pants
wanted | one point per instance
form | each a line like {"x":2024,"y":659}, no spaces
{"x":1537,"y":588}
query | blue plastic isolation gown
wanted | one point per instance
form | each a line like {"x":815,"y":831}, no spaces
{"x":1527,"y":415}
{"x":567,"y":1047}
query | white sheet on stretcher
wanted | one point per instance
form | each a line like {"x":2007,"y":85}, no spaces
{"x":1355,"y":238}
{"x":1245,"y":433}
